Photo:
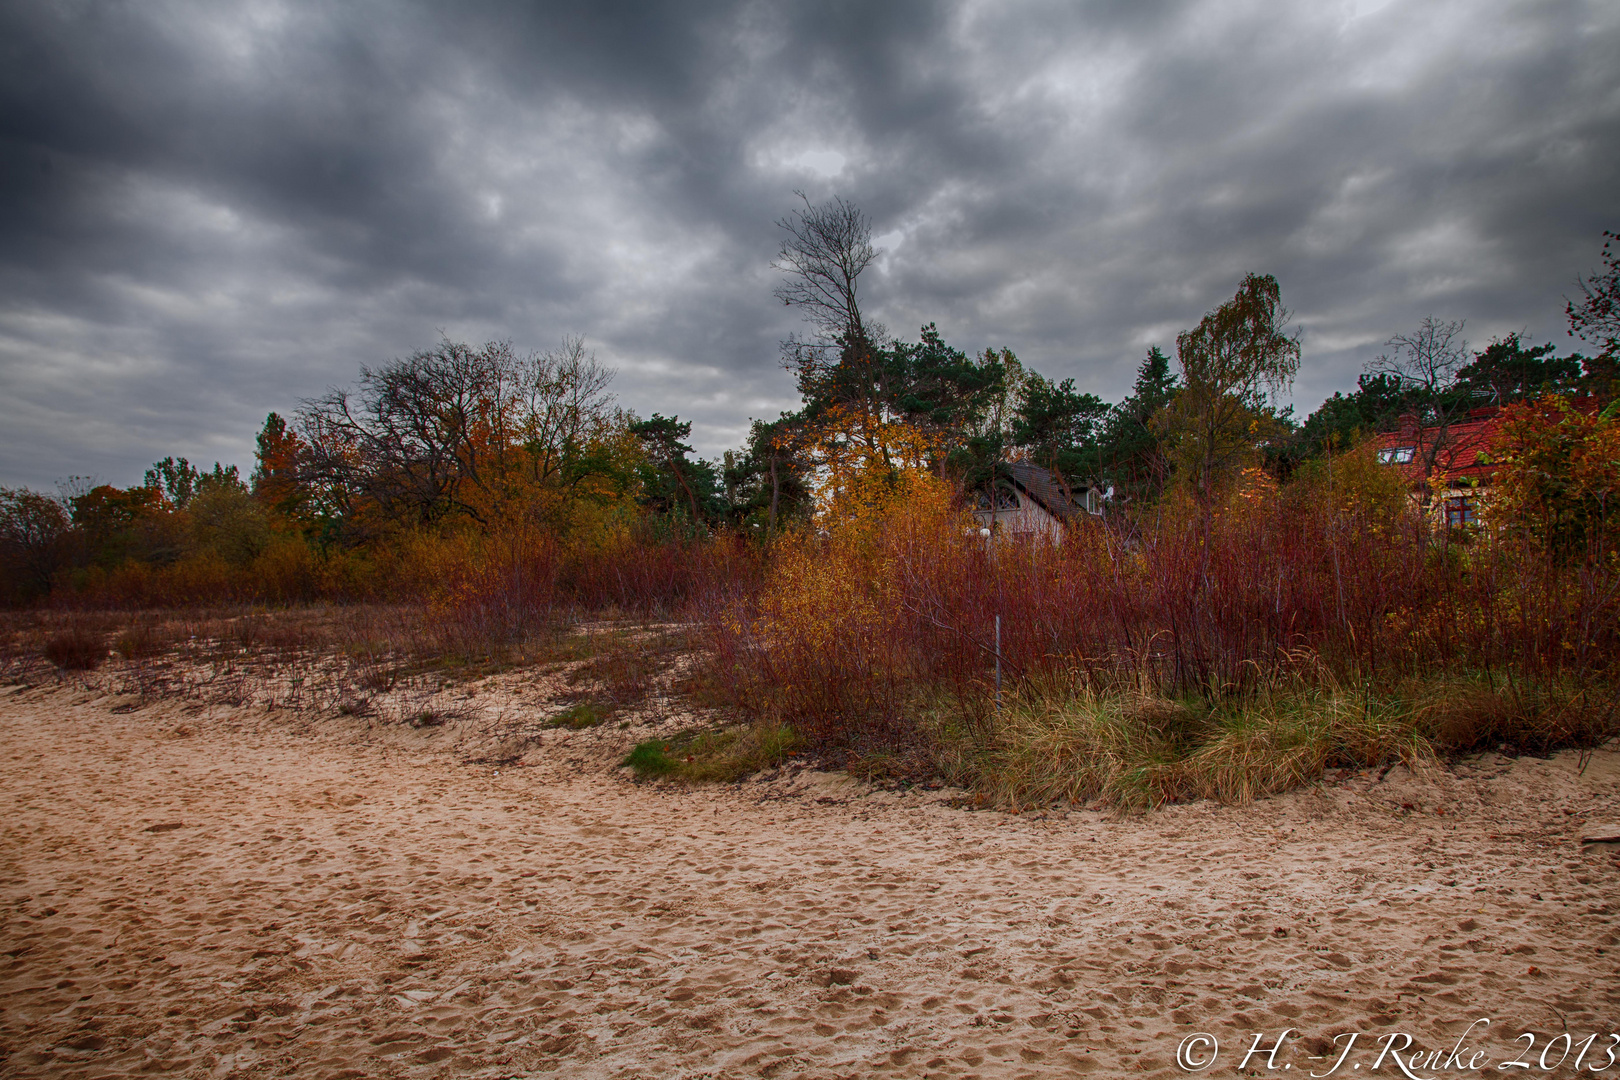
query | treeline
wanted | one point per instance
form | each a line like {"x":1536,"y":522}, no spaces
{"x":399,"y":488}
{"x":436,"y":463}
{"x":874,"y":406}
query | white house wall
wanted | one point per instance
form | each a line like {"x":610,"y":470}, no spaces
{"x":1029,"y":518}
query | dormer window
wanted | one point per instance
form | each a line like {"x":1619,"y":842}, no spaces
{"x":1397,"y":455}
{"x":999,"y":498}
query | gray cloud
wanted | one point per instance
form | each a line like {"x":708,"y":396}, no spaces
{"x":212,"y":210}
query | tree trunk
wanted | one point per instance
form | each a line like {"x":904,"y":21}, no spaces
{"x":690,"y":498}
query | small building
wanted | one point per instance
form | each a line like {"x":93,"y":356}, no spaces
{"x":1028,"y":500}
{"x":1457,"y":454}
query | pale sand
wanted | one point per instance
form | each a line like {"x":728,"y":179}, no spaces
{"x":247,"y":893}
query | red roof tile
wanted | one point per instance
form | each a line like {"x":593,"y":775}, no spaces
{"x":1457,"y":450}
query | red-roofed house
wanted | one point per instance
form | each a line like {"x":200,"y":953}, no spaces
{"x":1458,"y":454}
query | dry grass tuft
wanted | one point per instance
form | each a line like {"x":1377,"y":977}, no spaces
{"x":1462,"y":715}
{"x":1134,"y":752}
{"x":1137,"y":753}
{"x":629,"y":666}
{"x":143,"y":639}
{"x":77,"y":648}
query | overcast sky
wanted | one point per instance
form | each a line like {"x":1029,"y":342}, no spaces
{"x":210,"y":210}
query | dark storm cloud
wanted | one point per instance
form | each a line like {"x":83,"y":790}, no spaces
{"x":211,"y":210}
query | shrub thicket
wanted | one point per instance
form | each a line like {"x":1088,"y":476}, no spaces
{"x":1328,"y":621}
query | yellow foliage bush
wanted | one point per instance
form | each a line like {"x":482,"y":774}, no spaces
{"x":826,"y":631}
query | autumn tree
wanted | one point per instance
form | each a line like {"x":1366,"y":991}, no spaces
{"x":278,"y":454}
{"x":118,"y":524}
{"x":33,"y":531}
{"x":407,"y":442}
{"x":459,"y":433}
{"x":1232,"y":365}
{"x":225,"y":519}
{"x":1558,"y":477}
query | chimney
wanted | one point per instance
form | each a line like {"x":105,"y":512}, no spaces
{"x":1409,"y":427}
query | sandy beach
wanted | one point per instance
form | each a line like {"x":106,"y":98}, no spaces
{"x":240,"y":892}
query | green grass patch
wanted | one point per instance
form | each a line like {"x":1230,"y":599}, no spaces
{"x":713,"y":755}
{"x":650,"y":760}
{"x":581,"y":716}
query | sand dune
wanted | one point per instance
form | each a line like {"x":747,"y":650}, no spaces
{"x":236,"y":892}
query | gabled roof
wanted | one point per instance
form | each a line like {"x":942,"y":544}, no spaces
{"x":1043,"y":487}
{"x":1460,"y":449}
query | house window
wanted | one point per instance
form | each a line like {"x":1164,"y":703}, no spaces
{"x":999,"y":499}
{"x":1460,"y":510}
{"x":1397,"y":455}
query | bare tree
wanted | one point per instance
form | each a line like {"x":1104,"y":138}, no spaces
{"x":453,"y":430}
{"x":32,"y":529}
{"x":564,"y":403}
{"x":405,"y":441}
{"x":827,"y":249}
{"x":1425,"y":365}
{"x":1427,"y":360}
